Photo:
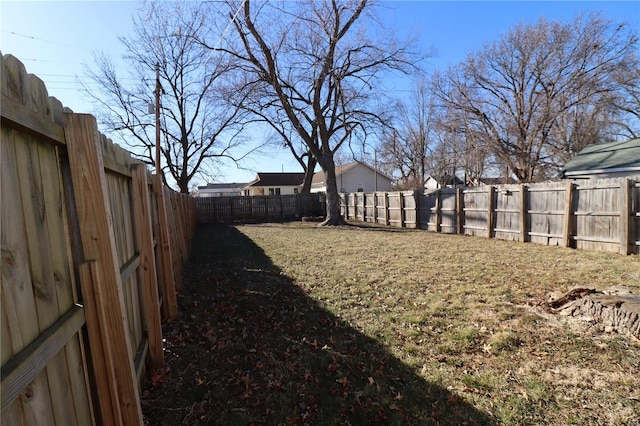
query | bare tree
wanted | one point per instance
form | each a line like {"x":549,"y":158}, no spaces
{"x":257,"y":104}
{"x":318,"y":64}
{"x":198,"y":125}
{"x":534,"y":93}
{"x":409,"y":143}
{"x":626,"y":103}
{"x":467,"y":153}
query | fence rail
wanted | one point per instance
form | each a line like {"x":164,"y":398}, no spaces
{"x":259,"y":208}
{"x":91,"y":252}
{"x":590,"y":215}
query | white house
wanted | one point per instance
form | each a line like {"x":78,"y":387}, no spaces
{"x":219,"y":190}
{"x":274,"y":184}
{"x":354,"y":177}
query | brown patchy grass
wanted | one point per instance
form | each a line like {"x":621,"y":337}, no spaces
{"x":451,"y":316}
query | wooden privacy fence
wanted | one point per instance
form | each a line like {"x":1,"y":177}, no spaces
{"x":92,"y":255}
{"x":259,"y":208}
{"x":591,"y":215}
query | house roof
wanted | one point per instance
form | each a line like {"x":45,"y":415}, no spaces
{"x":446,"y":179}
{"x":318,"y":177}
{"x":605,"y":157}
{"x":232,"y":185}
{"x":277,"y":179}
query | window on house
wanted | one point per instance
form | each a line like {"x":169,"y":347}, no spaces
{"x":247,"y":192}
{"x":274,"y":191}
{"x":295,"y":190}
{"x":360,"y":188}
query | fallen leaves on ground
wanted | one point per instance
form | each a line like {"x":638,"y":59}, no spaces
{"x":250,"y":347}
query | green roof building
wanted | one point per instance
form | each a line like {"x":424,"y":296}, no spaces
{"x":605,"y":160}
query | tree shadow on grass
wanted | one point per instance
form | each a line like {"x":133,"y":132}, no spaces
{"x":251,"y":347}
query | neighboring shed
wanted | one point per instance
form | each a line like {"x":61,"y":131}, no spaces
{"x":219,"y":190}
{"x":446,"y":181}
{"x":275,"y":184}
{"x":605,"y":160}
{"x":354,"y":177}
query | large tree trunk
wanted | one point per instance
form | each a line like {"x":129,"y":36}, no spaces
{"x":183,"y":184}
{"x":334,"y":218}
{"x":309,"y":172}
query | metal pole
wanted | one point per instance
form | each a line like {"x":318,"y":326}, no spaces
{"x":157,"y":119}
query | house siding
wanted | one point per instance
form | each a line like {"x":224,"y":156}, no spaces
{"x":355,"y":179}
{"x":264,"y":190}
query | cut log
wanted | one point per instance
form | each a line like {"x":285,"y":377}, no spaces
{"x":570,"y":296}
{"x":616,"y":308}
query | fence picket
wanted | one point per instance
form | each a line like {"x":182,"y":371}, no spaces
{"x":148,"y":278}
{"x":96,"y":231}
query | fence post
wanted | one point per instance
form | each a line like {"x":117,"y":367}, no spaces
{"x":459,"y":211}
{"x":438,"y":209}
{"x":281,"y":209}
{"x":144,"y":238}
{"x":178,"y":220}
{"x":364,"y":207}
{"x":100,"y":275}
{"x":266,"y":207}
{"x":355,"y":206}
{"x":490,"y":199}
{"x":169,"y":300}
{"x":625,"y":215}
{"x":174,"y":239}
{"x":523,"y":212}
{"x":568,"y":207}
{"x":416,"y":203}
{"x":386,"y":208}
{"x":401,"y":202}
{"x":375,"y":207}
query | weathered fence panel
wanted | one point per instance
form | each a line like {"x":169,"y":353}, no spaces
{"x":507,"y":213}
{"x":409,"y":209}
{"x":78,"y":224}
{"x":43,"y":378}
{"x":546,"y":213}
{"x":258,"y":208}
{"x":476,"y":211}
{"x":449,"y":211}
{"x":597,"y":216}
{"x":590,"y":215}
{"x":396,"y":209}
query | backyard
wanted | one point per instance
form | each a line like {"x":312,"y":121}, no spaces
{"x":295,"y":324}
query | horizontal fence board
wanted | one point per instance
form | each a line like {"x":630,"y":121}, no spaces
{"x":28,"y":363}
{"x":16,"y":116}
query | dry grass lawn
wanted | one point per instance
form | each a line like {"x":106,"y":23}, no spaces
{"x":295,"y":324}
{"x":463,"y":312}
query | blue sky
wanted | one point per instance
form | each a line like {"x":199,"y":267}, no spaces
{"x":55,"y":41}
